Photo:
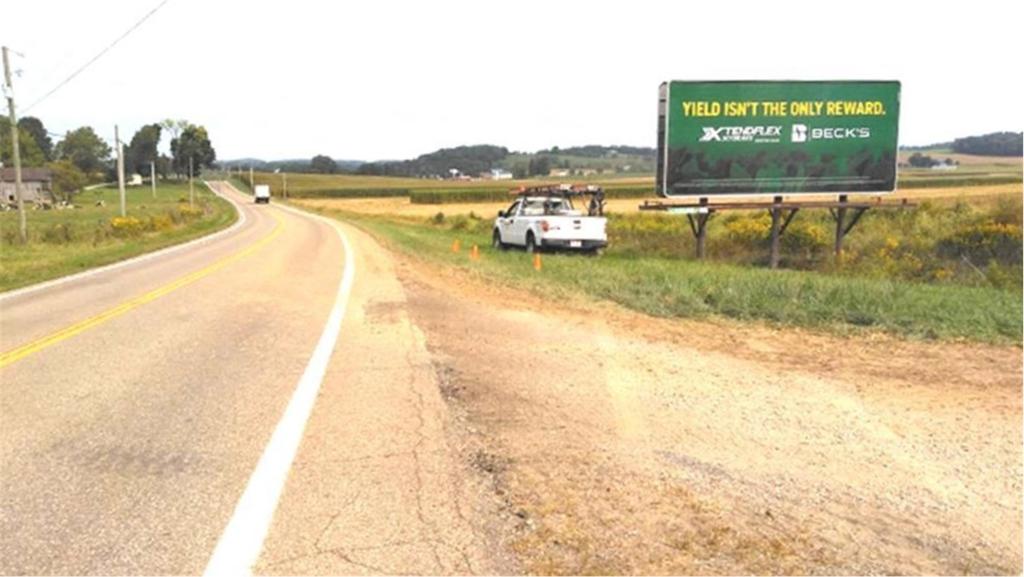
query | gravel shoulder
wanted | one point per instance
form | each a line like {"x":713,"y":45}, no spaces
{"x":619,"y":443}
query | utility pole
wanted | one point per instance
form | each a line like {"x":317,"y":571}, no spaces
{"x":252,"y":186}
{"x":191,"y":189}
{"x":22,"y":224}
{"x":152,"y":176}
{"x":120,"y":170}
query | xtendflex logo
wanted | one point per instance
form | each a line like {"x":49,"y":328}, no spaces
{"x":741,"y":134}
{"x":801,"y":133}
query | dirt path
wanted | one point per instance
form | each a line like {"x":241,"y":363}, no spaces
{"x":618,"y":443}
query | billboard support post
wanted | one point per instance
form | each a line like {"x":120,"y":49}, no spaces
{"x":773,"y":260}
{"x":699,"y":226}
{"x":779,"y":226}
{"x":839,"y":215}
{"x":781,"y":212}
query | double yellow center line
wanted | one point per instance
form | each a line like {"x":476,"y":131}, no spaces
{"x":23,"y":351}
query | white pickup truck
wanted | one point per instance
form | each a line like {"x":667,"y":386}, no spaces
{"x":545,"y":218}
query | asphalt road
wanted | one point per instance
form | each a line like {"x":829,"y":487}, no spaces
{"x":137,"y":402}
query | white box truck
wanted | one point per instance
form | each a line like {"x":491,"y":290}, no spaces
{"x":261,"y":193}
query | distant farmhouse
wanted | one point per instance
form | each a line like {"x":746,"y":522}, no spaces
{"x":496,"y":174}
{"x":36,"y":185}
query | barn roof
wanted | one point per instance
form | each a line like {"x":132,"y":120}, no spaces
{"x":27,"y":174}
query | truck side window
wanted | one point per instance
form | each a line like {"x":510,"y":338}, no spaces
{"x":512,"y":210}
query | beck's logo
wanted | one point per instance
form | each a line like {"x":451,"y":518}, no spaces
{"x":799,"y":133}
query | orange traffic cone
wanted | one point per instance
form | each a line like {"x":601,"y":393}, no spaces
{"x":536,"y":261}
{"x":455,"y":246}
{"x":475,"y":253}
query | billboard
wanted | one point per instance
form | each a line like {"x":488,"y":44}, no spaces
{"x":777,"y":137}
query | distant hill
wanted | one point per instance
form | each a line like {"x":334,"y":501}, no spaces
{"x":466,"y":159}
{"x":598,"y":151}
{"x":474,"y":159}
{"x":288,"y":165}
{"x":993,"y":144}
{"x":936,"y":146}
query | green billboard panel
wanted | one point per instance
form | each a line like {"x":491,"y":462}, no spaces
{"x":777,"y":137}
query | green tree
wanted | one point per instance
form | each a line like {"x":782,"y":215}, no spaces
{"x":35,"y":127}
{"x":193,"y":143}
{"x":143,"y":149}
{"x":85,"y":149}
{"x":540,"y":166}
{"x":164,"y":166}
{"x":918,"y":160}
{"x":68,"y":180}
{"x":323,"y":164}
{"x":995,"y":144}
{"x":174,"y":127}
{"x":31,"y":154}
{"x":520,"y":170}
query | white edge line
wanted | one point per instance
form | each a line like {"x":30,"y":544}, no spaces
{"x":241,"y":543}
{"x":134,"y":260}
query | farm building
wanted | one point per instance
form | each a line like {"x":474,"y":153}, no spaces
{"x":35,"y":185}
{"x":499,"y":174}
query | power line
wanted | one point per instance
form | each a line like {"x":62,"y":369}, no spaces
{"x":97,"y":57}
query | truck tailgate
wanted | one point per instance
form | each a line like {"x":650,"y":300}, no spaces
{"x":576,"y":228}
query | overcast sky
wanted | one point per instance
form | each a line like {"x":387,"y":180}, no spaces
{"x":387,"y":80}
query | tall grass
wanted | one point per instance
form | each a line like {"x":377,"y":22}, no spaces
{"x":658,"y":283}
{"x":62,"y":242}
{"x":974,"y":243}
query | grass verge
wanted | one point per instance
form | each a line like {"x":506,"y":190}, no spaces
{"x":670,"y":287}
{"x":63,"y":242}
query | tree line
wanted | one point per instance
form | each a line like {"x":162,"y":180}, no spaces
{"x":466,"y":159}
{"x":82,"y":157}
{"x":470,"y":160}
{"x":994,"y":144}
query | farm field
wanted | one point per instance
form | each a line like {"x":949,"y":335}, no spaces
{"x":67,"y":241}
{"x":967,"y":161}
{"x":299,"y":184}
{"x":400,"y":206}
{"x":974,"y":172}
